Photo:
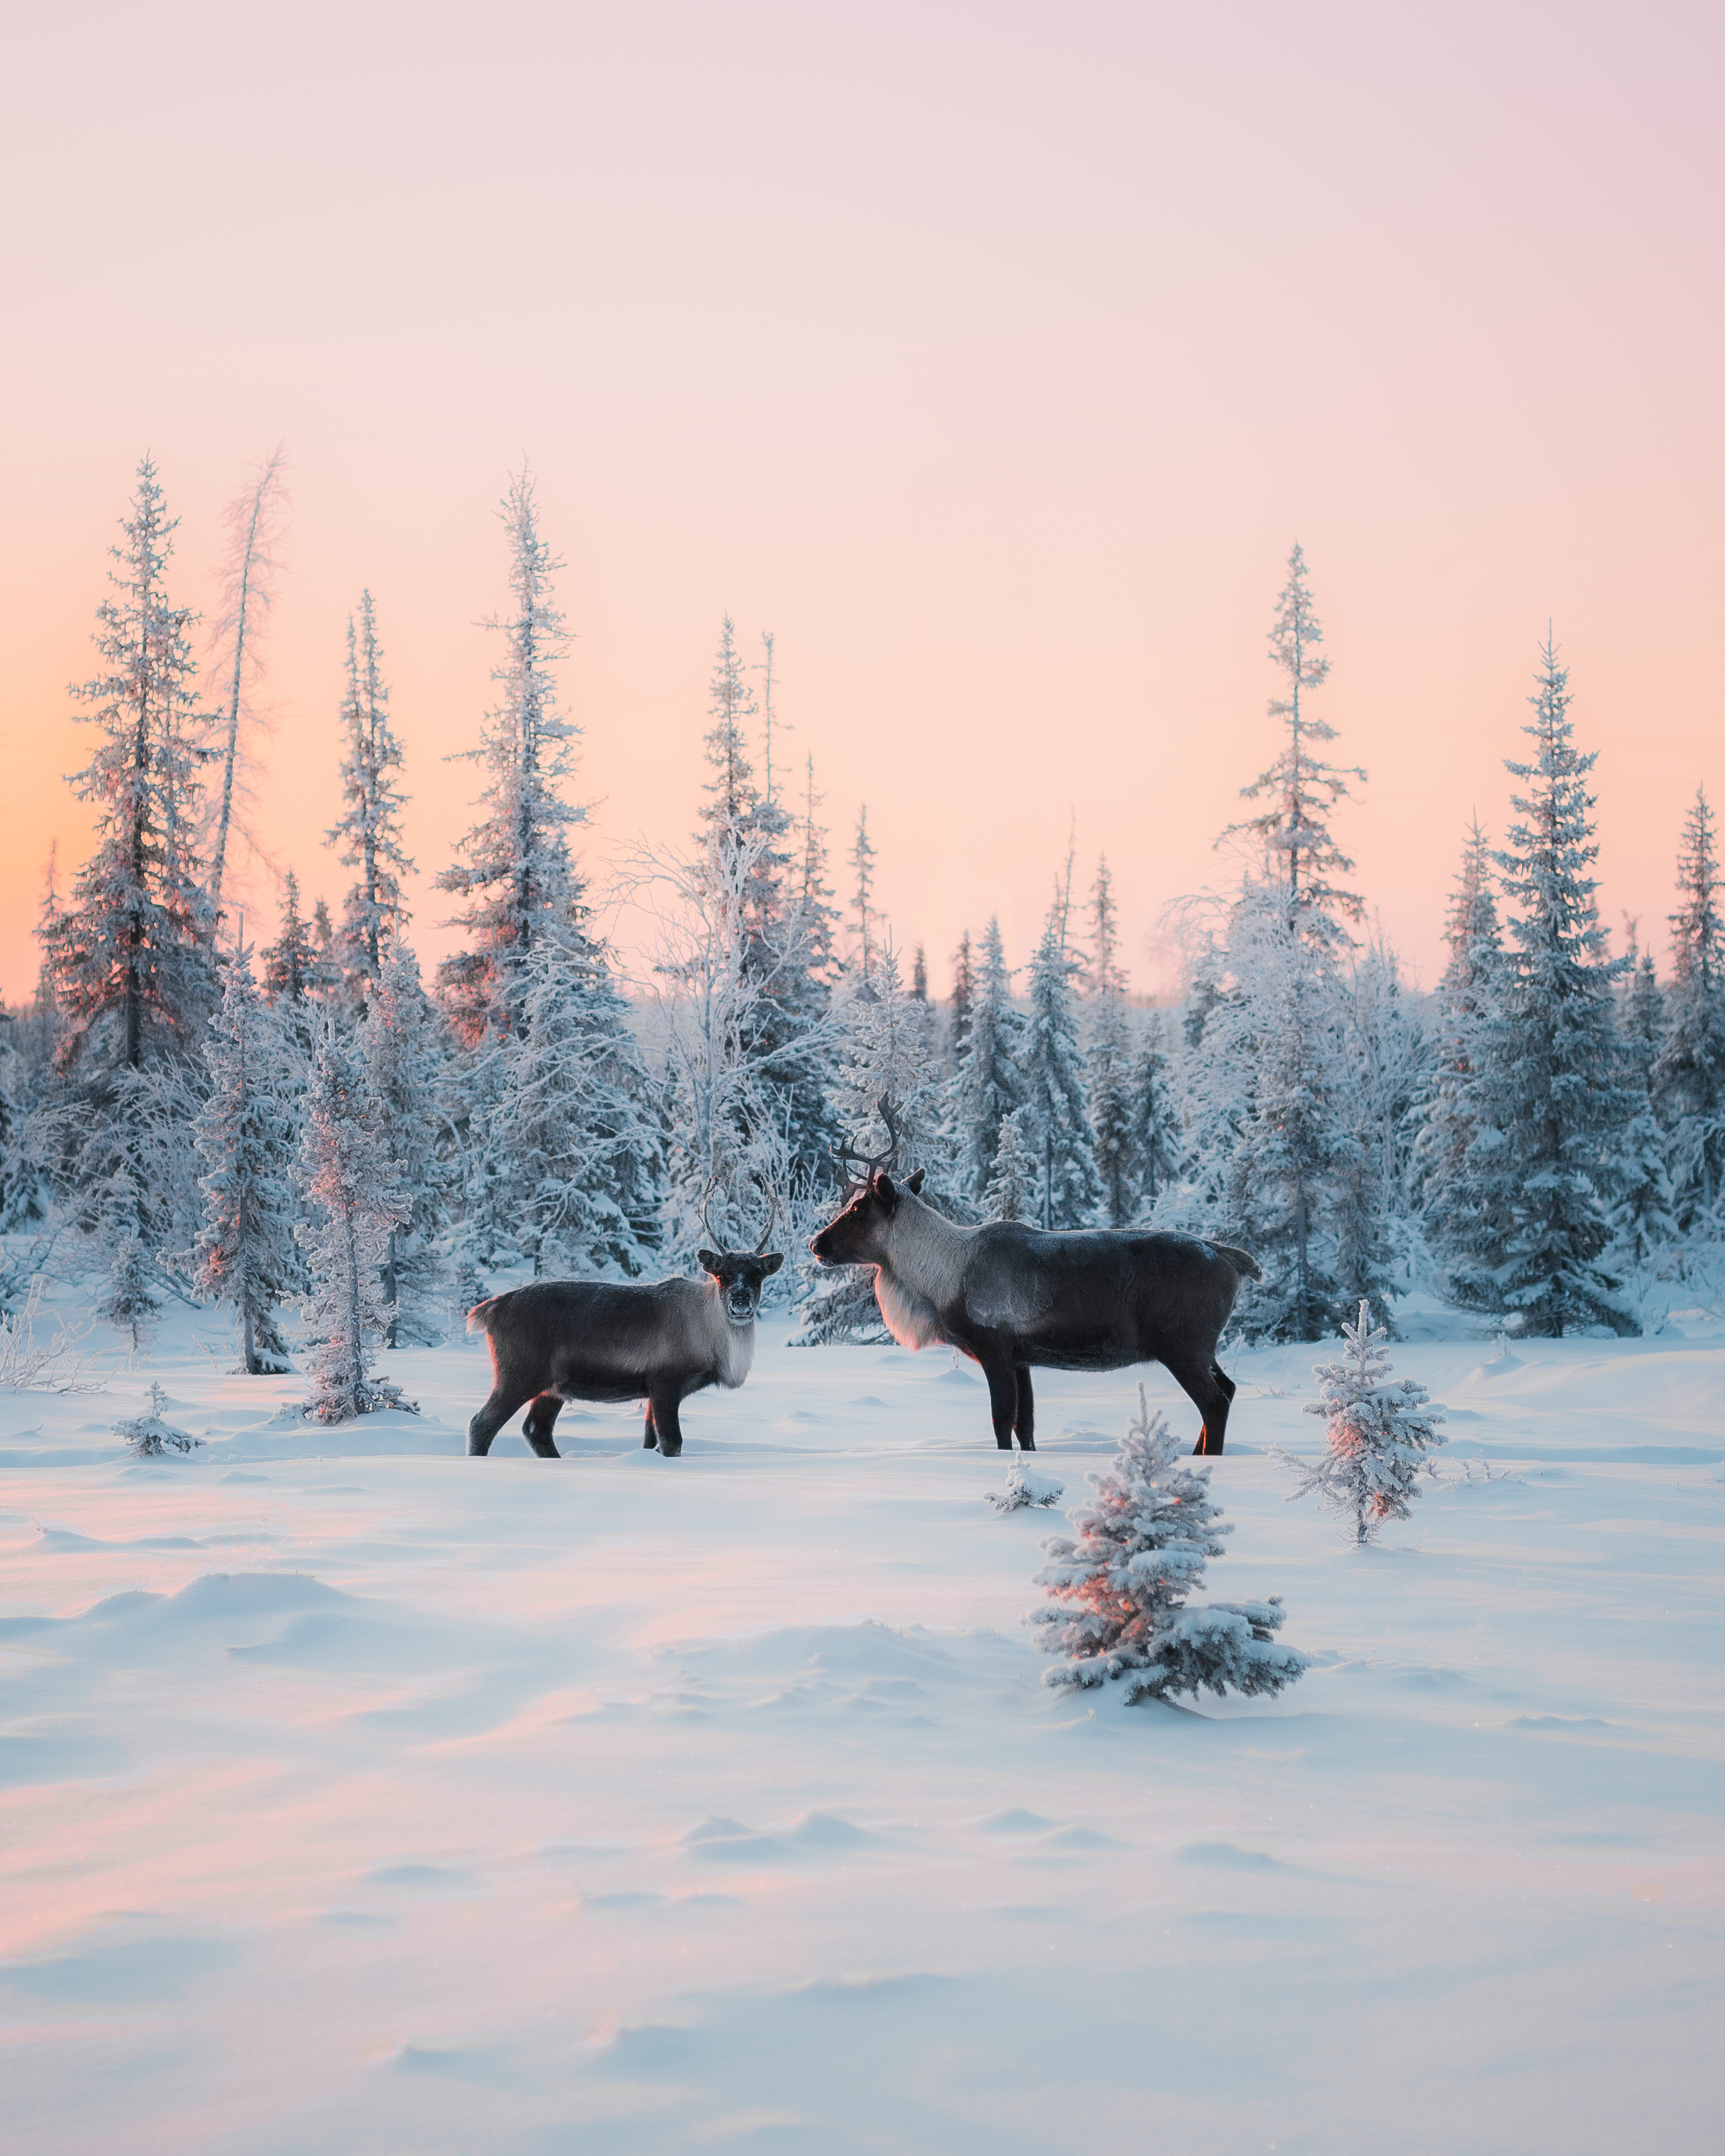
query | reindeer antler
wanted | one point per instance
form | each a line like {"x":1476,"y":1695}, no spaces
{"x":869,"y":1162}
{"x":772,"y":1216}
{"x":706,"y":1199}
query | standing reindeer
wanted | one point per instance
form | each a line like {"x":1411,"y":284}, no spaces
{"x":1014,"y":1297}
{"x":591,"y":1339}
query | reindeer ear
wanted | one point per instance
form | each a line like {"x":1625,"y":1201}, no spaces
{"x":709,"y":1262}
{"x":913,"y":1184}
{"x":773,"y":1261}
{"x":884,"y":1190}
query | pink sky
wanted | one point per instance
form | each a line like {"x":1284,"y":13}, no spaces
{"x":993,"y":356}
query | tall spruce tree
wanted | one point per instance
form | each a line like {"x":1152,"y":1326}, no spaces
{"x":862,"y":903}
{"x":990,"y":1083}
{"x":290,"y":966}
{"x":515,"y":871}
{"x":577,"y":1129}
{"x":1466,"y":1172}
{"x":132,"y":953}
{"x":1300,"y":788}
{"x":1643,"y":1219}
{"x":1071,"y":1195}
{"x":354,"y":1203}
{"x":963,"y":998}
{"x":403,"y":1045}
{"x":369,"y":832}
{"x":1557,"y":1059}
{"x":1688,"y":1075}
{"x":245,"y":1253}
{"x":1114,"y":1125}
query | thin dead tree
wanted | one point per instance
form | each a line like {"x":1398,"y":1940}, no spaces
{"x":255,"y":521}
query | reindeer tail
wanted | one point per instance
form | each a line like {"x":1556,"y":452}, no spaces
{"x":1242,"y":1262}
{"x":478,"y":1318}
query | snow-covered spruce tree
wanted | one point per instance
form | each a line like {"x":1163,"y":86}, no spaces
{"x":862,"y":902}
{"x":1108,"y":1064}
{"x":1072,"y":1194}
{"x":403,"y":1045}
{"x":256,"y":522}
{"x":515,"y":872}
{"x":959,"y":1008}
{"x":370,"y":830}
{"x":291,"y":964}
{"x":1557,"y":1061}
{"x":1267,"y":1139}
{"x":1688,"y":1076}
{"x":1384,"y":1061}
{"x":1378,"y":1430}
{"x":577,"y":1125}
{"x":1643,"y":1218}
{"x":1300,"y":788}
{"x":785,"y":920}
{"x":1014,"y":1189}
{"x":990,"y":1083}
{"x":131,"y":952}
{"x":886,"y":1052}
{"x":354,"y":1203}
{"x":483,"y":1192}
{"x":1157,"y":1140}
{"x":245,"y":1255}
{"x":1466,"y":1174}
{"x":1118,"y":1590}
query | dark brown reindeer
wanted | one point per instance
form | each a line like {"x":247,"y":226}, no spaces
{"x":1014,"y":1298}
{"x":554,"y":1341}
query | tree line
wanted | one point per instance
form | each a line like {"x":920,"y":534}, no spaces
{"x":305,"y":1121}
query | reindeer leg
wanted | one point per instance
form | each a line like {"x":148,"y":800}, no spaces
{"x":537,"y":1427}
{"x":1025,"y":1421}
{"x":491,"y":1418}
{"x":650,"y":1436}
{"x":663,"y":1408}
{"x":1002,"y":1399}
{"x":1196,"y":1377}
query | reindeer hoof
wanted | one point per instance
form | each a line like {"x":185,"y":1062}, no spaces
{"x":650,"y":1443}
{"x":669,"y":1451}
{"x":1027,"y":1445}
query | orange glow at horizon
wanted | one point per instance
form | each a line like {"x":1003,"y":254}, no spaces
{"x":994,"y":360}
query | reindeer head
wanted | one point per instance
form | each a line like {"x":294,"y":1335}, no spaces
{"x":858,"y":1236}
{"x":740,"y":1275}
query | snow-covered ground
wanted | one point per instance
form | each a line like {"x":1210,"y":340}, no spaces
{"x":360,"y":1797}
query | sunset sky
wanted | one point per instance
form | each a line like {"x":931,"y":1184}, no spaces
{"x":993,"y":356}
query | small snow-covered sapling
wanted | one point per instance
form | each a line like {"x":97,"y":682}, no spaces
{"x":1117,"y":1591}
{"x":1378,"y":1431}
{"x":1023,"y":1488}
{"x":151,"y":1437}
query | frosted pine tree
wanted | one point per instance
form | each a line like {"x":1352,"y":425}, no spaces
{"x":131,"y":953}
{"x":990,"y":1083}
{"x":1158,"y":1140}
{"x":1643,"y":1221}
{"x":1108,"y":1064}
{"x":958,"y":1008}
{"x":1384,"y":1057}
{"x":403,"y":1044}
{"x":353,"y":1203}
{"x":1688,"y":1075}
{"x":862,"y":902}
{"x":515,"y":871}
{"x":577,"y":1126}
{"x":1557,"y":1058}
{"x":370,"y":831}
{"x":1468,"y":1174}
{"x":1118,"y":1590}
{"x":1054,"y":1084}
{"x":245,"y":1255}
{"x":290,"y":965}
{"x":1300,"y":788}
{"x":886,"y":1054}
{"x":1378,"y":1431}
{"x":1014,"y":1188}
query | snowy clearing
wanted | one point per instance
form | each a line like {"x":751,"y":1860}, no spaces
{"x":360,"y":1797}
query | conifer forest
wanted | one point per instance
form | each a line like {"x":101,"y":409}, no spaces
{"x":278,"y":1113}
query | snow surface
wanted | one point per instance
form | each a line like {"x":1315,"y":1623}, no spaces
{"x":361,"y":1797}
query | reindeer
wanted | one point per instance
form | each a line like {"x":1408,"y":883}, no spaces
{"x":591,"y":1339}
{"x":1014,"y":1297}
